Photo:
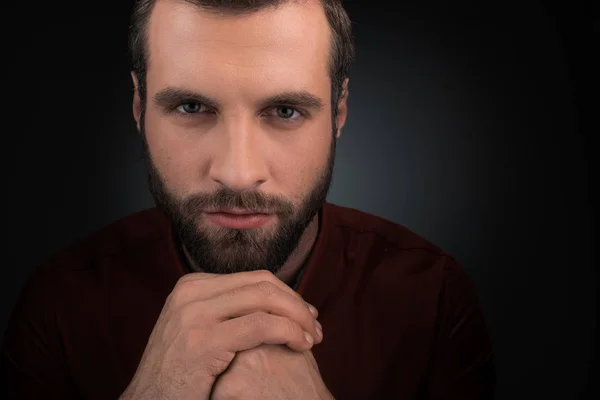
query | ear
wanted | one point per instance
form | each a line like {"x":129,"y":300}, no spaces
{"x":137,"y":103}
{"x":342,"y":109}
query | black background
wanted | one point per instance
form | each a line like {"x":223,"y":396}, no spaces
{"x":473,"y":125}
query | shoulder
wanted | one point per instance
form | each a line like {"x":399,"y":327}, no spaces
{"x":87,"y":262}
{"x":83,"y":269}
{"x":373,"y":233}
{"x":131,"y":234}
{"x":390,"y":259}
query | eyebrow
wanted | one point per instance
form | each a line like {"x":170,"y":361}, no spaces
{"x":173,"y":96}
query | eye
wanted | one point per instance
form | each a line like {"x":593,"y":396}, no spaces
{"x":286,"y":112}
{"x":286,"y":115}
{"x":190,"y":108}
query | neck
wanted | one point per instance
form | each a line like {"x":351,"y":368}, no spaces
{"x":290,"y":269}
{"x":288,"y":272}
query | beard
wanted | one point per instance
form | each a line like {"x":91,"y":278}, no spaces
{"x":221,"y":250}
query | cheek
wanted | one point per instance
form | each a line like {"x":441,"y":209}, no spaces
{"x":178,"y":160}
{"x":301,"y":165}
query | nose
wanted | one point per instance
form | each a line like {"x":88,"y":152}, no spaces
{"x":239,"y":161}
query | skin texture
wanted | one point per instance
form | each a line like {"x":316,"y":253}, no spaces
{"x":228,"y":145}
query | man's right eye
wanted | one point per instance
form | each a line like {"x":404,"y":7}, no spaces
{"x":190,"y":108}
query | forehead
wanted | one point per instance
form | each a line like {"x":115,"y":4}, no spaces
{"x":286,"y":47}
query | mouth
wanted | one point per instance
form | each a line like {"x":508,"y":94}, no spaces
{"x":238,"y":219}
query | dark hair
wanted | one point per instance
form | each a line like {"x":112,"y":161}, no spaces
{"x":342,"y":46}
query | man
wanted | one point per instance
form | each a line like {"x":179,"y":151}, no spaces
{"x":244,"y":283}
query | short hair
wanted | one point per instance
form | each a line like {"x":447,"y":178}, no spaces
{"x":342,"y":46}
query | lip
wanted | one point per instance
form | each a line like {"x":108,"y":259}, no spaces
{"x":234,"y":211}
{"x":238,"y":219}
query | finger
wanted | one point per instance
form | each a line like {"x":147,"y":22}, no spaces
{"x":252,"y":330}
{"x":261,"y":296}
{"x":201,"y":286}
{"x":192,"y":276}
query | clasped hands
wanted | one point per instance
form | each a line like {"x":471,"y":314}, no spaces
{"x":237,"y":336}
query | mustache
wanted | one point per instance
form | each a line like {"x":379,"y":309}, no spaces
{"x":225,"y":198}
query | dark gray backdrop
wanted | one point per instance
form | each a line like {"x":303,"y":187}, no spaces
{"x":467,"y":124}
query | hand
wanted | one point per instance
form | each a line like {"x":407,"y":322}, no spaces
{"x":206,"y":319}
{"x":271,"y":372}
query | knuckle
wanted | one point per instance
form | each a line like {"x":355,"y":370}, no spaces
{"x":264,"y":275}
{"x":267,"y":276}
{"x":266,"y":288}
{"x":288,"y":327}
{"x":184,"y":281}
{"x":259,"y":324}
{"x":216,"y":360}
{"x":180,"y":294}
{"x":253,"y":358}
{"x":260,"y":320}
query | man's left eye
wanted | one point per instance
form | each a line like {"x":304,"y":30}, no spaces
{"x":285,"y":112}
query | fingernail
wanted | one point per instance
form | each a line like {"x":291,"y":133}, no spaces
{"x":308,"y":338}
{"x":319,"y":329}
{"x":312,"y":309}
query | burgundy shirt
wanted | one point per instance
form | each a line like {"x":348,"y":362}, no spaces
{"x":401,"y":320}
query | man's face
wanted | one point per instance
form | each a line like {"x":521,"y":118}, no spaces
{"x":238,"y":129}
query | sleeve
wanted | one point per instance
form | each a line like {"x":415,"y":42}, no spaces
{"x":462,"y":364}
{"x":32,"y":360}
